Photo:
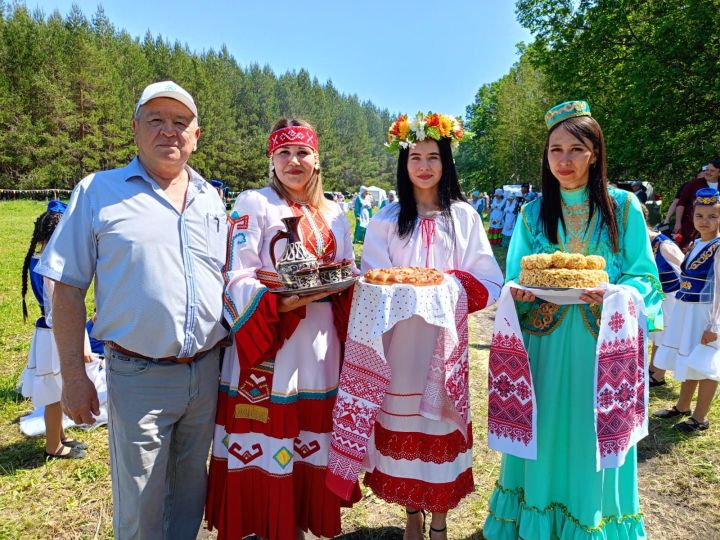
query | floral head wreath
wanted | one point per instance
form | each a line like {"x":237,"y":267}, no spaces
{"x":404,"y":133}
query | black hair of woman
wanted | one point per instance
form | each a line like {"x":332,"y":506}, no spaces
{"x":44,"y":227}
{"x":448,"y":188}
{"x":585,"y":129}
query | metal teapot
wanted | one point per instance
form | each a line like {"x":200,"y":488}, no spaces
{"x":297,"y":268}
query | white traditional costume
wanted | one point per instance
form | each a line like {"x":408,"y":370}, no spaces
{"x":41,"y":379}
{"x":414,"y":458}
{"x":279,"y":379}
{"x":496,"y":218}
{"x":511,"y":212}
{"x":668,"y":258}
{"x":697,"y":309}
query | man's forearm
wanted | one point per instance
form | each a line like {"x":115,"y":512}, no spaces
{"x":678,"y":214}
{"x":68,"y":305}
{"x":671,"y":210}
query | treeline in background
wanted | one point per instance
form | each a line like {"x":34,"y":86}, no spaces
{"x":649,"y":69}
{"x":69,"y":85}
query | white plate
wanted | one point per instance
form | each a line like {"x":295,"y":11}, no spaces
{"x":557,"y":295}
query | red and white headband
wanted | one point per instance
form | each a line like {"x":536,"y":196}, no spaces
{"x":292,"y":136}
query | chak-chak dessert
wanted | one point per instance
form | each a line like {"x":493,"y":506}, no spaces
{"x":563,"y":270}
{"x":405,"y":275}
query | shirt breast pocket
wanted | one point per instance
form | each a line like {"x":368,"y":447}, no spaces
{"x":216,"y":236}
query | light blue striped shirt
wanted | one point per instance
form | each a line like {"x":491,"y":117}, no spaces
{"x":158,"y":272}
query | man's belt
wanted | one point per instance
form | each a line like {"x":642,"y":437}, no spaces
{"x":185,"y":360}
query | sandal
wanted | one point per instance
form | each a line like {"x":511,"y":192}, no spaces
{"x":74,"y":453}
{"x":414,"y":512}
{"x":670,"y":413}
{"x":656,"y":382}
{"x":72,"y":443}
{"x":691,"y":425}
{"x":433,"y":529}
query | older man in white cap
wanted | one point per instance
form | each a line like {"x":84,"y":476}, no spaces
{"x":153,"y":237}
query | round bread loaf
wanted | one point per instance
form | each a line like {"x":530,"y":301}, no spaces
{"x":404,"y":275}
{"x":561,"y":269}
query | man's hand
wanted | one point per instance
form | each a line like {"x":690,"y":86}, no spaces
{"x":80,"y":400}
{"x":288,"y":303}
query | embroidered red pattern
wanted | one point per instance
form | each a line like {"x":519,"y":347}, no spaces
{"x":620,"y":392}
{"x":616,"y":322}
{"x":246,"y":456}
{"x":510,"y":407}
{"x":309,"y":230}
{"x":428,"y":448}
{"x":417,"y":494}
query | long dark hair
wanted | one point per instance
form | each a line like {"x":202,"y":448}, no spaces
{"x":44,"y":227}
{"x":448,"y":189}
{"x":583,"y":128}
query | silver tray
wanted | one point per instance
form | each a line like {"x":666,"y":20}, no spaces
{"x":325,"y":287}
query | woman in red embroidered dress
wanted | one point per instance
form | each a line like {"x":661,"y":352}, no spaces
{"x":424,"y":464}
{"x":279,"y":379}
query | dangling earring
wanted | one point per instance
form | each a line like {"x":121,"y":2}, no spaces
{"x":317,"y":161}
{"x":271,"y":170}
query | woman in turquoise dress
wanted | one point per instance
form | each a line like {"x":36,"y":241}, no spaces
{"x":562,"y":494}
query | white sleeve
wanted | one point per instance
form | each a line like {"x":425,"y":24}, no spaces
{"x":48,"y":289}
{"x":475,"y":256}
{"x":376,"y":249}
{"x":246,"y":226}
{"x":673,"y":255}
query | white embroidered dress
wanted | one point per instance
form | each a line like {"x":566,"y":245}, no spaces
{"x":417,"y":461}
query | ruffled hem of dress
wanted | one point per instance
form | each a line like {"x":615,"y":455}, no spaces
{"x":509,"y":518}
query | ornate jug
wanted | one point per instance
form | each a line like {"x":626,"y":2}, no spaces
{"x":297,"y":268}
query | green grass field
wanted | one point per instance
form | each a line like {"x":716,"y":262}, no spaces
{"x":679,"y":475}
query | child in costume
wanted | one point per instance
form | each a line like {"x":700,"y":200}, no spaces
{"x":420,"y":463}
{"x":566,"y":403}
{"x":496,"y":217}
{"x":668,"y":258}
{"x":690,"y":347}
{"x":279,"y":379}
{"x":41,"y":379}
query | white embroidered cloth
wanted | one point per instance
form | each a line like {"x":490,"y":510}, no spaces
{"x":621,"y":392}
{"x":366,"y":375}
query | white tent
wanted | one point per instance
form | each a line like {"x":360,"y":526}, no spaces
{"x":378,"y":194}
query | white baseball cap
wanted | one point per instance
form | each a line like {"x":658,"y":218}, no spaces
{"x":168,"y":89}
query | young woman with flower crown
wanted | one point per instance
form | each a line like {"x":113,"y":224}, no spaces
{"x":280,"y":377}
{"x":568,"y":383}
{"x":421,"y":463}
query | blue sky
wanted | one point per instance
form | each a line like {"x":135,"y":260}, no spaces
{"x":403,"y":56}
